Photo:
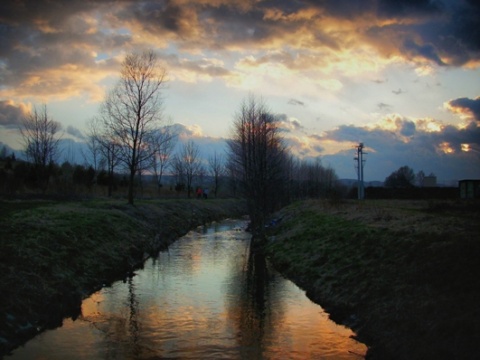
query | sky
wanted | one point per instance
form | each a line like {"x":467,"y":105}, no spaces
{"x":401,"y":76}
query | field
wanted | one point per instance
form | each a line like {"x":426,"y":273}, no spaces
{"x":405,"y":275}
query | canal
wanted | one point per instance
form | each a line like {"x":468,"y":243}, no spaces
{"x":207,"y":297}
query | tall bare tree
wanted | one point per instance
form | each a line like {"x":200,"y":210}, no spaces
{"x":188,"y":164}
{"x":163,"y":143}
{"x":41,"y":143}
{"x":216,"y":167}
{"x":93,"y":156}
{"x":133,"y":111}
{"x":256,"y":150}
{"x":104,"y":149}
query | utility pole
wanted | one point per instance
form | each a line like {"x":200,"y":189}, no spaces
{"x":359,"y":166}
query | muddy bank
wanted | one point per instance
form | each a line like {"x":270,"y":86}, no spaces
{"x":54,"y":254}
{"x":404,"y":275}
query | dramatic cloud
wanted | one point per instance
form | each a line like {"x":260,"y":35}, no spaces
{"x":49,"y":48}
{"x":348,"y":60}
{"x":470,"y":107}
{"x":423,"y":144}
{"x":400,"y":141}
{"x":11,"y":114}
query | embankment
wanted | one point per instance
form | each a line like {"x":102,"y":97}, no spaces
{"x":53,"y":254}
{"x":404,"y":275}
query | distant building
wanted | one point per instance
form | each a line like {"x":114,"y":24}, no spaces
{"x":469,"y":189}
{"x":430,"y":181}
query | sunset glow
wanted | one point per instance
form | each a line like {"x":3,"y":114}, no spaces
{"x":400,"y":76}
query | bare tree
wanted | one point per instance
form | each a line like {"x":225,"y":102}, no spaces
{"x":93,"y":157}
{"x":179,"y":172}
{"x":233,"y":177}
{"x":41,"y":143}
{"x":163,"y":143}
{"x":111,"y":158}
{"x":420,"y":178}
{"x":256,"y":150}
{"x":309,"y":178}
{"x":188,"y":164}
{"x":133,"y":111}
{"x":104,"y":149}
{"x":217,"y":170}
{"x":3,"y":152}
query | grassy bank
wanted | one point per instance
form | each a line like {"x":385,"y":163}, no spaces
{"x":404,"y":275}
{"x":53,"y":254}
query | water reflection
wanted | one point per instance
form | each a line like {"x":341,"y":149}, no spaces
{"x":209,"y":297}
{"x":252,"y":305}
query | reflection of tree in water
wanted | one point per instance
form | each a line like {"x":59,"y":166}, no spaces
{"x":254,"y":290}
{"x":133,"y":319}
{"x":125,"y":330}
{"x":121,"y":329}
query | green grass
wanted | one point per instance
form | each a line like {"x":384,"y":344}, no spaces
{"x":410,"y":289}
{"x":53,"y":252}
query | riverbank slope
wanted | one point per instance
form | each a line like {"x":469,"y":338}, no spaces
{"x":405,"y":275}
{"x":53,"y":254}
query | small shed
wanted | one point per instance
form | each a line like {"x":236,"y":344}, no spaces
{"x":469,"y":188}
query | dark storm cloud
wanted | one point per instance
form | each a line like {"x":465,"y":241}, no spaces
{"x":160,"y":16}
{"x":406,"y":8}
{"x":407,"y":128}
{"x":42,"y":37}
{"x":426,"y":51}
{"x":466,"y":105}
{"x":422,"y":150}
{"x":38,"y":36}
{"x":12,"y":115}
{"x":434,"y":29}
{"x":234,"y":26}
{"x":466,"y":24}
{"x":448,"y":30}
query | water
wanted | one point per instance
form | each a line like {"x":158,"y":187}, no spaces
{"x":206,"y":298}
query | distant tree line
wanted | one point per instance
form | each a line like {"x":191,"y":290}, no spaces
{"x":403,"y":183}
{"x":405,"y":177}
{"x":21,"y":176}
{"x":129,"y":138}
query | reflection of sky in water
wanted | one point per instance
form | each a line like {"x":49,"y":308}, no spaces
{"x":195,"y":301}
